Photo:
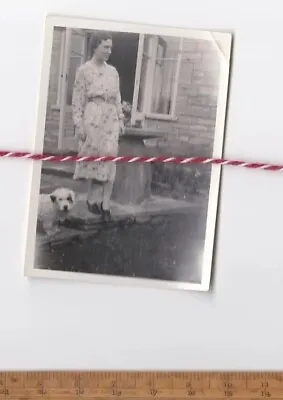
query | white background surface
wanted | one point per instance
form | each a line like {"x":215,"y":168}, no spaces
{"x":47,"y":324}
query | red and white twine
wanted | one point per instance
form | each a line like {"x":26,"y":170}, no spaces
{"x":138,"y":159}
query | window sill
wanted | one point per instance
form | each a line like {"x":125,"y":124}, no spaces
{"x":55,"y":108}
{"x":58,"y":108}
{"x":161,"y":117}
{"x":143,"y":133}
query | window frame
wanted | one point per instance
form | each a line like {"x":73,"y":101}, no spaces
{"x":62,"y":64}
{"x":148,"y":83}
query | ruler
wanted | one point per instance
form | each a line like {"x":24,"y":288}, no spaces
{"x":140,"y":385}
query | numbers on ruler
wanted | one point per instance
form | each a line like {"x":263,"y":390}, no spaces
{"x":190,"y":391}
{"x":115,"y":392}
{"x":41,"y":390}
{"x":227,"y":391}
{"x":265,"y":394}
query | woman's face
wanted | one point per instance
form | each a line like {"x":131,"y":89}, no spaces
{"x":103,"y":51}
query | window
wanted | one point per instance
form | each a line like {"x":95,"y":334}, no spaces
{"x":77,"y":57}
{"x":61,"y":64}
{"x":159,"y":75}
{"x":161,"y":99}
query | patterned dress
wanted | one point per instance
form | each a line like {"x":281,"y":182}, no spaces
{"x":97,"y":108}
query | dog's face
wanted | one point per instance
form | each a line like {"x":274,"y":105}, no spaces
{"x":63,"y":199}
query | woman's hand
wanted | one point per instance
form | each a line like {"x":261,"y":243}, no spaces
{"x":121,"y":127}
{"x":80,"y":135}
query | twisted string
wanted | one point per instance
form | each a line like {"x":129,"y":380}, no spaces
{"x":139,"y":159}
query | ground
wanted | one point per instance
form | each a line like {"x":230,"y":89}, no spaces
{"x":161,"y":240}
{"x":165,"y":248}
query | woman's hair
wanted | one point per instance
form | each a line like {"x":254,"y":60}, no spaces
{"x":96,"y":38}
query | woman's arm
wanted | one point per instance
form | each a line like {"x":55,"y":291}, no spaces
{"x":119,"y":106}
{"x":78,"y":103}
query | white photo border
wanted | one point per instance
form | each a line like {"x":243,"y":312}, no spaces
{"x":53,"y":21}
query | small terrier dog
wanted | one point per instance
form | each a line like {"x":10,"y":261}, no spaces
{"x":54,"y":209}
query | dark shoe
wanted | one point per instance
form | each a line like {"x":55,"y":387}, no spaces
{"x":93,"y":208}
{"x":106,"y":214}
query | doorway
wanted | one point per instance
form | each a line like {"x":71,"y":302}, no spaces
{"x":124,"y":59}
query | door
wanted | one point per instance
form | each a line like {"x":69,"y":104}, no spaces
{"x":74,"y":50}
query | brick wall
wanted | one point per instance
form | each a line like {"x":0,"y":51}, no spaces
{"x":192,"y":134}
{"x":196,"y":98}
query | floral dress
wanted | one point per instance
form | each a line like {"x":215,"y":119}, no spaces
{"x":96,"y":106}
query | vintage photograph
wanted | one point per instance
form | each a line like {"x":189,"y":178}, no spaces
{"x":112,"y":89}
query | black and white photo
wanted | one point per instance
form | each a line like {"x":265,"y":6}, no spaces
{"x":122,"y":89}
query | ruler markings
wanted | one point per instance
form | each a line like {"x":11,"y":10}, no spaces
{"x":140,"y":385}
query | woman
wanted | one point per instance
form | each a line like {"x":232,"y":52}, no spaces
{"x":98,"y":120}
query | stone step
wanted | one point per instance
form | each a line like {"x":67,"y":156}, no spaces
{"x":81,"y":221}
{"x":154,"y":206}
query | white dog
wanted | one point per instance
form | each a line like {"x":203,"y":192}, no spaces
{"x":54,"y":209}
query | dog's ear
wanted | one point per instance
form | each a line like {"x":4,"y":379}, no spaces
{"x":72,"y":197}
{"x":53,"y":198}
